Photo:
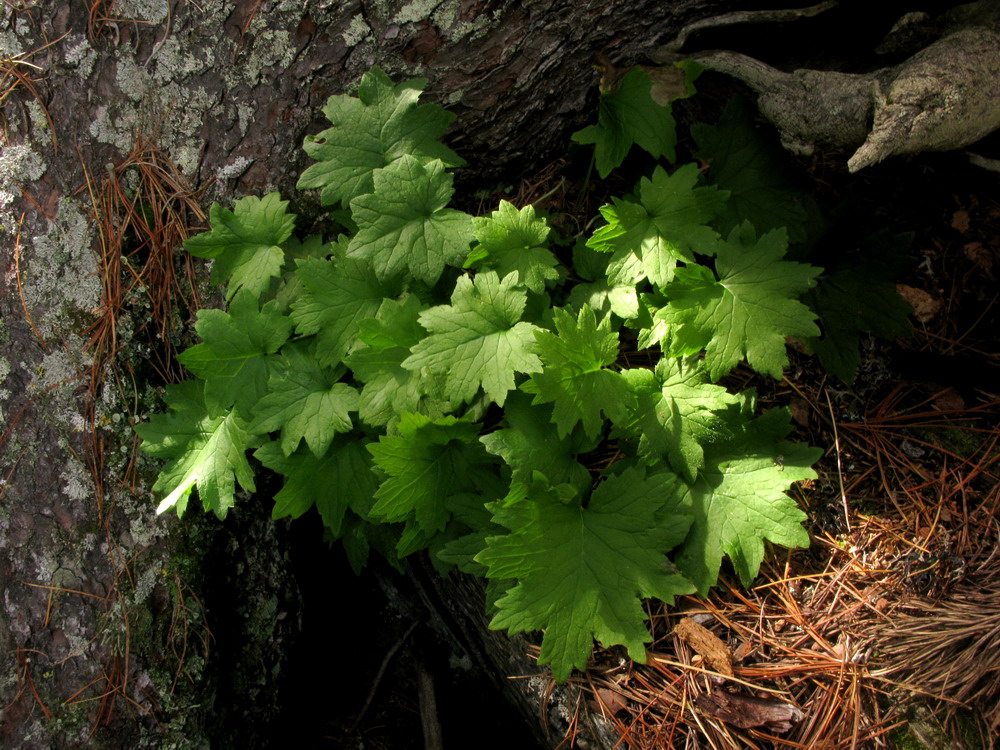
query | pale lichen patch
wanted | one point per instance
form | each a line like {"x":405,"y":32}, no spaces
{"x":153,"y":11}
{"x":10,"y":44}
{"x":174,"y":63}
{"x":56,"y":368}
{"x":133,"y":80}
{"x":271,"y":48}
{"x":80,"y":55}
{"x":61,"y":268}
{"x":234,"y":169}
{"x":444,"y":15}
{"x":106,"y":129}
{"x":4,"y":392}
{"x":356,"y":32}
{"x":146,"y":583}
{"x":19,"y":165}
{"x":77,"y":483}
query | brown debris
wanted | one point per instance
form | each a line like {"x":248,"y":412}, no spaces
{"x":960,"y":221}
{"x":706,"y":644}
{"x":925,"y":305}
{"x":745,"y":711}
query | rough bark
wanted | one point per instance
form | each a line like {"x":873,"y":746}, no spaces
{"x":113,"y":629}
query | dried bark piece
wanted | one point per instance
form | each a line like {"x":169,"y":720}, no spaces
{"x":745,"y":711}
{"x":925,"y":305}
{"x":610,"y":701}
{"x":705,"y":643}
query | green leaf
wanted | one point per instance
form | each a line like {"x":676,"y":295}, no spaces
{"x":472,"y":525}
{"x":477,"y":340}
{"x":290,"y":288}
{"x":382,"y":125}
{"x":339,"y":480}
{"x":404,"y":223}
{"x":428,"y":461}
{"x":582,"y":570}
{"x":739,"y":499}
{"x":389,"y":388}
{"x":304,"y":402}
{"x":201,"y":450}
{"x":575,"y":377}
{"x":527,"y":445}
{"x":668,"y":224}
{"x":511,"y":240}
{"x":859,"y":296}
{"x":748,"y":162}
{"x":676,"y":413}
{"x":851,"y":302}
{"x":245,"y":243}
{"x":603,"y":298}
{"x":232,"y":358}
{"x":339,"y":294}
{"x":748,"y":311}
{"x":629,"y":115}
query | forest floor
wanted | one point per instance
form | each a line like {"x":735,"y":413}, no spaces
{"x":886,"y":631}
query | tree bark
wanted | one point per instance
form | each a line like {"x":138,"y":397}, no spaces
{"x":120,"y":628}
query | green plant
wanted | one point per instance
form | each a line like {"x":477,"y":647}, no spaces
{"x":432,"y":380}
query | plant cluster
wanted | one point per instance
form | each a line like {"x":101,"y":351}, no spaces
{"x":543,"y":411}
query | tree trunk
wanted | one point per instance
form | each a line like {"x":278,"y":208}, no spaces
{"x":121,"y":121}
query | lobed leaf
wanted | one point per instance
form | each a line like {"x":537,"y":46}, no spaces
{"x":667,"y":225}
{"x":245,"y":243}
{"x":339,"y":294}
{"x":575,"y":377}
{"x":527,"y":445}
{"x":677,"y":411}
{"x":202,"y":451}
{"x":749,"y":164}
{"x":233,"y":356}
{"x":748,"y":311}
{"x":428,"y":461}
{"x":582,"y":571}
{"x":478,"y":339}
{"x":339,"y":480}
{"x":404,"y":223}
{"x":390,"y":389}
{"x":304,"y":402}
{"x":628,"y":115}
{"x":512,"y":240}
{"x":739,"y":499}
{"x":380,"y":126}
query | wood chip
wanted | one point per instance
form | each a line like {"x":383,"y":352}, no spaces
{"x":610,"y":701}
{"x":979,"y":255}
{"x":743,"y":651}
{"x":800,"y":411}
{"x":745,"y":711}
{"x":925,"y":306}
{"x":704,"y":642}
{"x":949,"y":400}
{"x":960,"y":220}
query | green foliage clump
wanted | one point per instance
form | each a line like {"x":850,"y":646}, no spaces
{"x":433,"y":380}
